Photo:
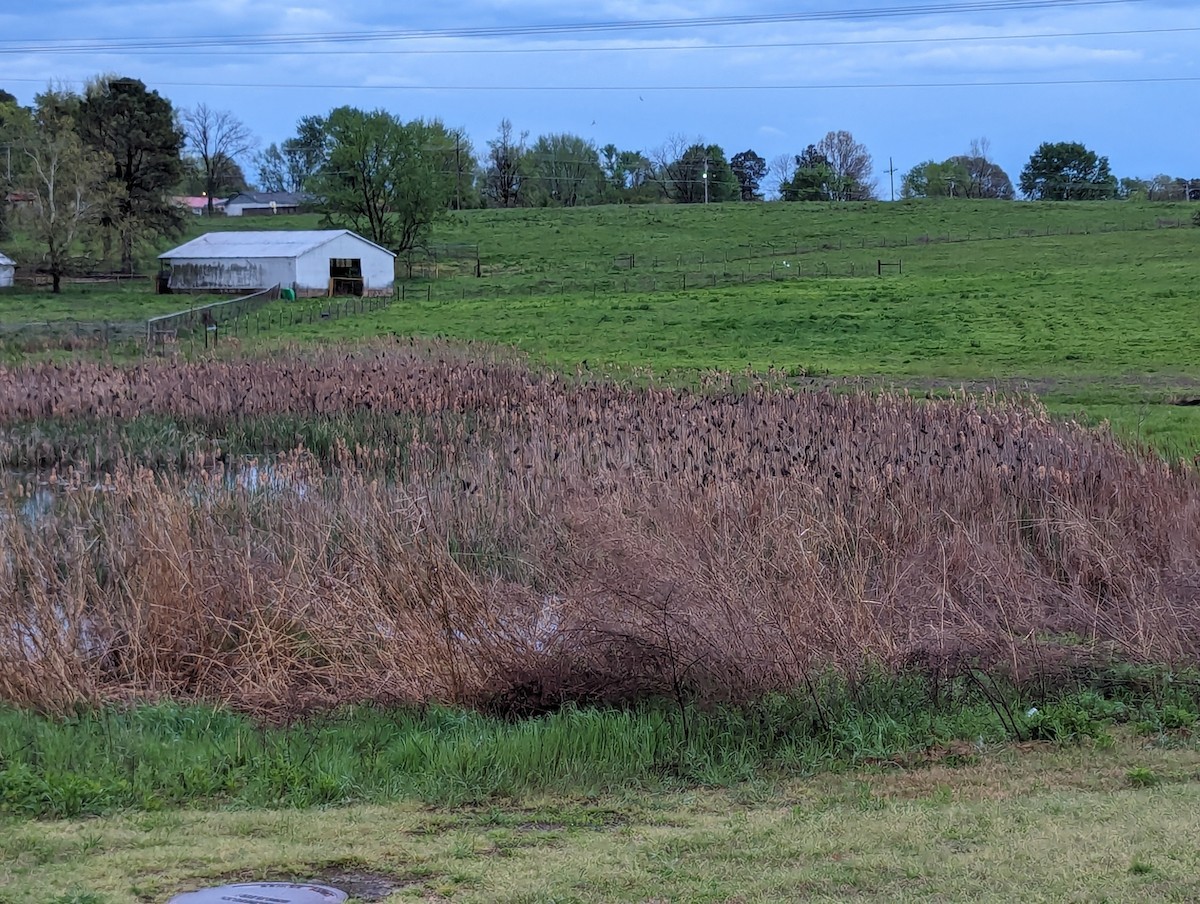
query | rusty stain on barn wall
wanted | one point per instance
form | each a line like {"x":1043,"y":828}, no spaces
{"x":217,"y":275}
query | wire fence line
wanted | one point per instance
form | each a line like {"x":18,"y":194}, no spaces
{"x":166,"y":327}
{"x":648,"y":271}
{"x":863,"y":242}
{"x":655,"y":260}
{"x":255,"y":320}
{"x":647,"y":283}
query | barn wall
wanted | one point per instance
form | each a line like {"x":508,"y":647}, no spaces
{"x":257,"y":209}
{"x":6,"y":277}
{"x":379,"y":267}
{"x":249,"y":211}
{"x":231,"y":275}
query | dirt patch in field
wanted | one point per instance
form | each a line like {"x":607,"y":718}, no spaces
{"x":359,"y":882}
{"x":366,"y":885}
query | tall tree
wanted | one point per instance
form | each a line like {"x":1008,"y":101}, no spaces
{"x":566,"y":167}
{"x":217,"y":138}
{"x":970,"y":175}
{"x":850,"y":163}
{"x":700,"y":173}
{"x":780,"y":171}
{"x":65,"y":178}
{"x":812,"y":177}
{"x":1067,"y":171}
{"x":230,"y":178}
{"x":627,"y":175}
{"x":1131,"y":188}
{"x":289,"y":166}
{"x":1161,"y":188}
{"x":636,"y":170}
{"x":948,"y":179}
{"x":610,"y":165}
{"x":749,"y":169}
{"x":14,"y":120}
{"x":135,"y":130}
{"x":385,"y":178}
{"x":273,"y":172}
{"x":506,"y":172}
{"x":987,"y":178}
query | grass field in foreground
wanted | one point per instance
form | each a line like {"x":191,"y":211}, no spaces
{"x":1038,"y":823}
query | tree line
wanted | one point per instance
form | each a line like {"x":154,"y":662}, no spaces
{"x":95,"y":171}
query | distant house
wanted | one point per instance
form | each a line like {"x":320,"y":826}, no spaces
{"x":20,"y":199}
{"x":310,"y":262}
{"x":7,"y":270}
{"x":265,"y":203}
{"x":199,"y":205}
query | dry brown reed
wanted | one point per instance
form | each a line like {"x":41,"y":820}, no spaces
{"x":564,"y":539}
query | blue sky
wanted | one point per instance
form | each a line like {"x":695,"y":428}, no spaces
{"x":911,"y":86}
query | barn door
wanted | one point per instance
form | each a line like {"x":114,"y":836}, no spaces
{"x":345,"y":276}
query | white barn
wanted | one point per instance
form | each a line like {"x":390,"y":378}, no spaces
{"x":310,"y":262}
{"x":7,"y":271}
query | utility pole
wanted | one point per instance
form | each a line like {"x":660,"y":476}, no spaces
{"x":706,"y":179}
{"x":457,"y":172}
{"x":892,"y":177}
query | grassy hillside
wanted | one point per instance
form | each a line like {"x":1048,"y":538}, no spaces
{"x":520,"y":246}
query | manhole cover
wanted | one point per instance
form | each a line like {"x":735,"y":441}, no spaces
{"x":263,"y":893}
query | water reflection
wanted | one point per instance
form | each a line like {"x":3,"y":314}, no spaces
{"x":32,"y":497}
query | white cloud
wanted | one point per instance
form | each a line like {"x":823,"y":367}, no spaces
{"x":906,"y":123}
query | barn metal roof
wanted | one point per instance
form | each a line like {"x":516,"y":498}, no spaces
{"x":6,"y":261}
{"x":266,"y":243}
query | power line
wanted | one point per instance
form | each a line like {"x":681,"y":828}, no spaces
{"x":642,"y":48}
{"x":552,"y":29}
{"x":1008,"y":83}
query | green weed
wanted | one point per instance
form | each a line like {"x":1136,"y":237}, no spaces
{"x":1142,"y":777}
{"x":169,"y":755}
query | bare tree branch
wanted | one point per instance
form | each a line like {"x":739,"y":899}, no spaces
{"x":218,"y":138}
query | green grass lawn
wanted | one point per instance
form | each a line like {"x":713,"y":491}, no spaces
{"x":1036,"y":824}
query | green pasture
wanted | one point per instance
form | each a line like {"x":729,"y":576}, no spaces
{"x":1091,"y":305}
{"x":91,"y":303}
{"x":1130,"y":313}
{"x":1101,"y":324}
{"x":551,"y":240}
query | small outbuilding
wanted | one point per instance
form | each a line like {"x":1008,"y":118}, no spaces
{"x":310,"y":262}
{"x":7,"y":270}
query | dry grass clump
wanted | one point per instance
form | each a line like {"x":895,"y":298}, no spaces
{"x":570,"y":540}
